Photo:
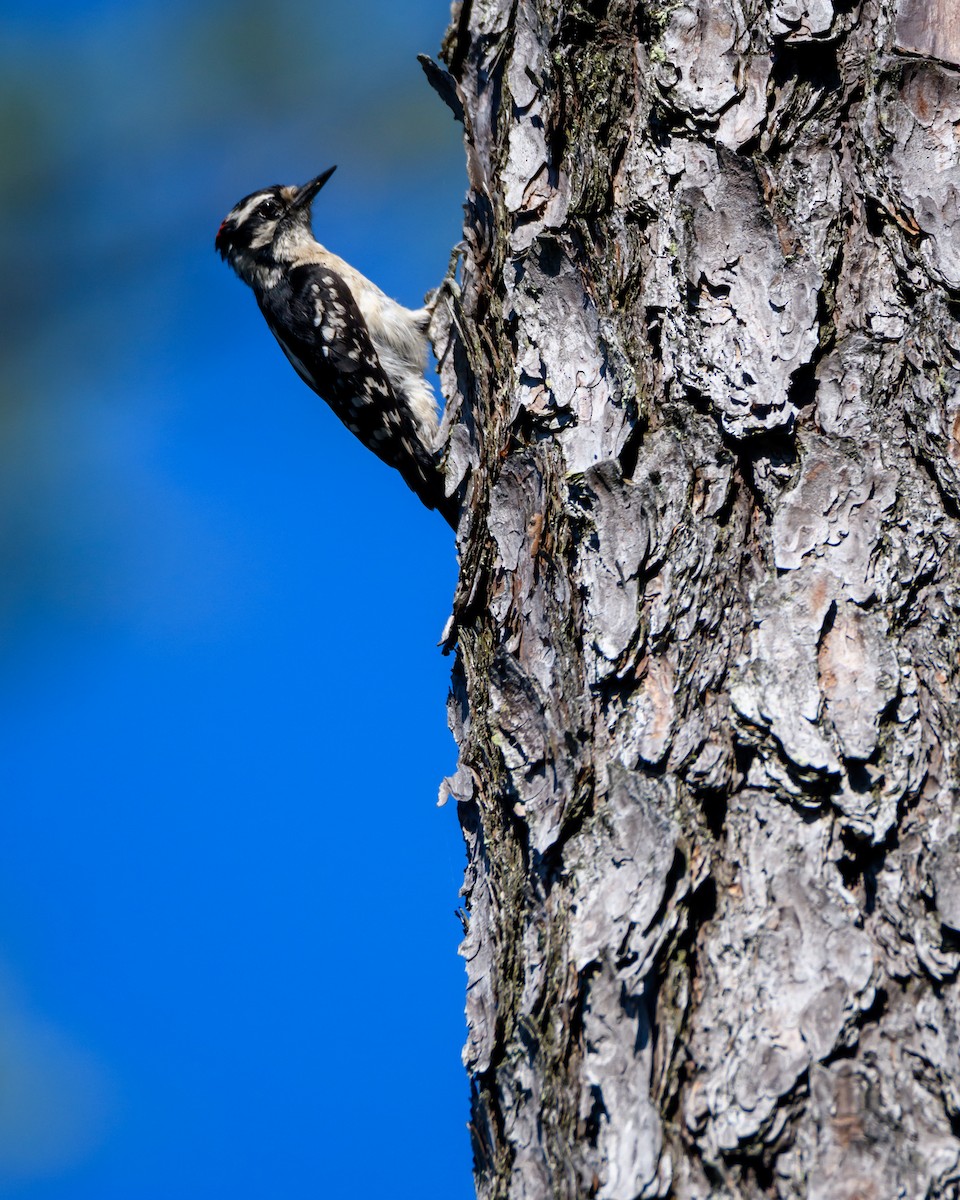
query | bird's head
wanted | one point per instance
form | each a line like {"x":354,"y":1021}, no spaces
{"x":265,"y":227}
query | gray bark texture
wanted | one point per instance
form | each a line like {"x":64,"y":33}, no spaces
{"x":703,"y":385}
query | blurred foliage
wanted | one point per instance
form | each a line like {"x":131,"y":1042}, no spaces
{"x":125,"y":132}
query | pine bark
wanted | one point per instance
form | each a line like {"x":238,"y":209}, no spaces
{"x":704,"y":408}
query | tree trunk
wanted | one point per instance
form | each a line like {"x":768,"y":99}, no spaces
{"x":704,"y":403}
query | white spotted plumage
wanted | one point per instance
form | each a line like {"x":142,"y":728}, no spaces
{"x":364,"y":353}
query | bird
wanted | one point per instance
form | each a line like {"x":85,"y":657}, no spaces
{"x":361,"y":352}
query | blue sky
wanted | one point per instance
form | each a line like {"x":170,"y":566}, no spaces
{"x":227,"y":900}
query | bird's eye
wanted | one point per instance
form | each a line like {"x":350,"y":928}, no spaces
{"x":269,"y":209}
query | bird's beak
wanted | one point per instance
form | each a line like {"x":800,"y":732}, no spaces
{"x":303,"y":196}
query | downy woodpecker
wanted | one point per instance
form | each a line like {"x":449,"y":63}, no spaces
{"x":360,"y":351}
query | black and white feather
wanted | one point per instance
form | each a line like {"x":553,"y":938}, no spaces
{"x":363,"y":353}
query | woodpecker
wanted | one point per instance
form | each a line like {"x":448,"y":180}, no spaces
{"x":360,"y":351}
